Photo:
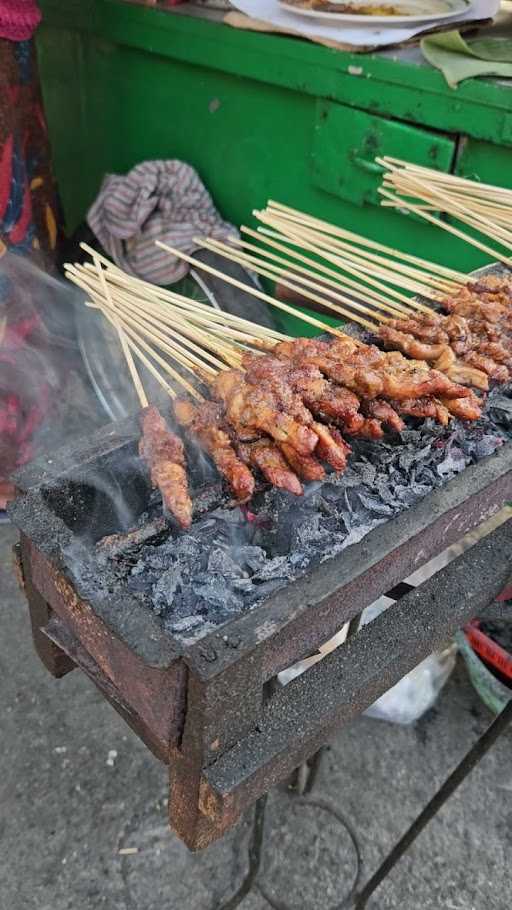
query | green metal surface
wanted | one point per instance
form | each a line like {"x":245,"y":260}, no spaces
{"x":347,"y":141}
{"x":259,"y":116}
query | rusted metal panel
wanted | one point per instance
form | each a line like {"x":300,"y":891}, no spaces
{"x":59,"y":634}
{"x":300,"y":617}
{"x":156,"y":695}
{"x":306,"y":713}
{"x":54,"y":659}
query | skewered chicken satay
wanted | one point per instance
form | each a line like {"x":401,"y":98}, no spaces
{"x":479,"y":361}
{"x":206,"y":424}
{"x":397,"y":378}
{"x":427,"y":407}
{"x":464,"y":408}
{"x":307,"y":467}
{"x":408,"y":335}
{"x":251,"y":410}
{"x":164,"y":454}
{"x":468,"y":304}
{"x":319,"y":395}
{"x":462,"y":372}
{"x":307,"y":351}
{"x":331,"y":447}
{"x":266,"y":457}
{"x":442,"y":356}
{"x":384,"y":412}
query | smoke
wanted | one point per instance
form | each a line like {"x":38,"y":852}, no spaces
{"x":46,"y":398}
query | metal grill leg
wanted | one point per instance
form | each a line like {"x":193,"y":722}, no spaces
{"x":475,"y":754}
{"x":255,"y":849}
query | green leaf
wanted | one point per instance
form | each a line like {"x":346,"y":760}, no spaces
{"x":459,"y":59}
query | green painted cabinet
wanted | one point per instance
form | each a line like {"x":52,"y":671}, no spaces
{"x":260,"y":116}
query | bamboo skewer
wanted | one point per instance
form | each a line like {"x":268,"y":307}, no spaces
{"x":124,"y":302}
{"x":327,"y":228}
{"x":132,"y":369}
{"x":269,"y":270}
{"x":399,"y":203}
{"x":369,"y":260}
{"x":274,"y":273}
{"x":278,"y":304}
{"x":112,"y":314}
{"x":299,"y":239}
{"x":409,"y":185}
{"x":334,"y":278}
{"x":453,"y":179}
{"x":118,"y":276}
{"x":167,"y":313}
{"x":364,"y":258}
{"x":165,"y":385}
{"x":316,"y":243}
{"x":471,"y":203}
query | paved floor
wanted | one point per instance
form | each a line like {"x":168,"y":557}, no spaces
{"x":76,"y":788}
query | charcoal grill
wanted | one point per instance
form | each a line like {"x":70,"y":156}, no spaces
{"x":208,"y":708}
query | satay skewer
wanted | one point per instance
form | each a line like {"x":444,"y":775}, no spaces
{"x":132,"y":369}
{"x":255,"y":292}
{"x":348,"y":261}
{"x":399,"y":203}
{"x":358,"y":239}
{"x":359,"y":255}
{"x":145,"y":290}
{"x":318,"y":270}
{"x":283,"y":275}
{"x":410,"y":185}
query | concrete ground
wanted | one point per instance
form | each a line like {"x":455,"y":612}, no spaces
{"x":77,"y":787}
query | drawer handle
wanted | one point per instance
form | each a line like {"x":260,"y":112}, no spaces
{"x":369,"y":166}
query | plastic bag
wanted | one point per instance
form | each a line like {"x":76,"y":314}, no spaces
{"x":416,"y":693}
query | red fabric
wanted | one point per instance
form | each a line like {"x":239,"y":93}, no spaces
{"x":18,"y":19}
{"x":21,"y":415}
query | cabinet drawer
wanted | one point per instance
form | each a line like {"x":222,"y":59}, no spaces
{"x":346,"y":142}
{"x":485,"y":161}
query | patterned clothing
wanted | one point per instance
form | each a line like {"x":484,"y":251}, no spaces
{"x":29,"y":225}
{"x":156,"y":200}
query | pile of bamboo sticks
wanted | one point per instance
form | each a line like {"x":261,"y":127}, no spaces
{"x":183,"y":343}
{"x":350,"y":276}
{"x":483,"y":207}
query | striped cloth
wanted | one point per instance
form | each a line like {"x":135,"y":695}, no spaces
{"x":156,"y":200}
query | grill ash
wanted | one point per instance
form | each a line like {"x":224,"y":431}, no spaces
{"x":233,"y":559}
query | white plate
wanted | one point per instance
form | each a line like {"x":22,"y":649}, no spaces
{"x":446,"y":9}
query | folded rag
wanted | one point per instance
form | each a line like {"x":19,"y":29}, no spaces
{"x":18,"y":19}
{"x":459,"y":59}
{"x":156,"y":200}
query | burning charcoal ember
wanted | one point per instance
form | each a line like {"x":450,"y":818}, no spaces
{"x":165,"y":456}
{"x":499,"y":407}
{"x":118,"y":544}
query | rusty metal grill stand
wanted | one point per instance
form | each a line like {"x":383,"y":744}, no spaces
{"x":206,"y":708}
{"x":355,"y":899}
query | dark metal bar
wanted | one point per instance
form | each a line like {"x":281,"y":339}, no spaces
{"x":329,"y":808}
{"x":475,"y":754}
{"x":255,"y":850}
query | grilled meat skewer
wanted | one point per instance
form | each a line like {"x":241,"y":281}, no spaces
{"x":206,"y":424}
{"x":252,"y":410}
{"x":165,"y":456}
